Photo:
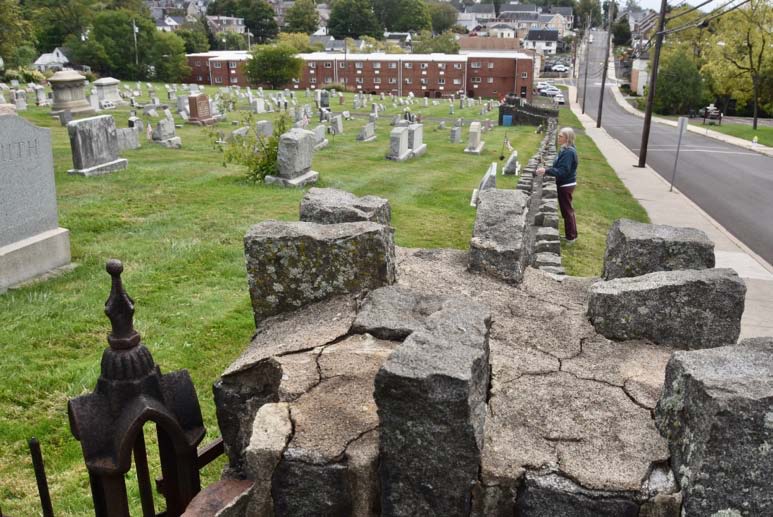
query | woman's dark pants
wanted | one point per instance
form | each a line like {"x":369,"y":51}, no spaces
{"x":567,"y":212}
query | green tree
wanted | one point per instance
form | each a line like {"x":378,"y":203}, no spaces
{"x":444,"y":16}
{"x":354,"y":18}
{"x":679,"y":85}
{"x":386,"y":12}
{"x":195,"y":36}
{"x":414,"y":16}
{"x":112,"y":40}
{"x":230,"y":41}
{"x":275,"y":65}
{"x":87,"y":51}
{"x":300,"y":41}
{"x":55,"y":20}
{"x":168,"y":58}
{"x":621,"y":32}
{"x":741,"y":52}
{"x":426,"y":43}
{"x":302,"y":17}
{"x":13,"y":28}
{"x":587,"y":8}
{"x":23,"y":56}
{"x":371,"y":44}
{"x":259,"y":19}
{"x":223,"y":7}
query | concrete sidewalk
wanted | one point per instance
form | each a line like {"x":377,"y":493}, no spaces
{"x":673,"y":208}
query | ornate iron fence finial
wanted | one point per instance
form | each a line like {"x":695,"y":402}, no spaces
{"x":119,"y":307}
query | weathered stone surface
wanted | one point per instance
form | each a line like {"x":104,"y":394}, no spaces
{"x":547,"y":234}
{"x":553,"y":496}
{"x":224,"y":498}
{"x":635,"y":249}
{"x":684,"y":309}
{"x":164,"y":130}
{"x":432,"y":390}
{"x":367,"y":133}
{"x":296,"y":147}
{"x":254,"y":378}
{"x":271,"y":430}
{"x":398,"y":144}
{"x":127,"y":138}
{"x":547,"y":259}
{"x":331,"y":206}
{"x":553,"y":247}
{"x":94,"y":146}
{"x":291,"y":264}
{"x":395,"y":312}
{"x":329,"y":466}
{"x":497,"y":246}
{"x":717,"y":413}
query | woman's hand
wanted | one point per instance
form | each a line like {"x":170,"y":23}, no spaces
{"x":540,"y":171}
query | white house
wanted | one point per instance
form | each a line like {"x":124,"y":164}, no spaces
{"x":542,"y":41}
{"x":55,"y":60}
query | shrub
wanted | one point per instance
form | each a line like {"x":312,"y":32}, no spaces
{"x":336,"y":87}
{"x":255,"y":152}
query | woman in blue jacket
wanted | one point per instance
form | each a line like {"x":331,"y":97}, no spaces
{"x":564,"y":169}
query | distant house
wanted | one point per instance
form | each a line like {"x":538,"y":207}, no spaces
{"x":56,"y":60}
{"x":468,"y":20}
{"x":226,"y":24}
{"x":552,"y":22}
{"x":542,"y":41}
{"x":501,"y":30}
{"x":483,"y":12}
{"x":330,"y":44}
{"x":519,"y":8}
{"x":641,"y":22}
{"x":169,"y":23}
{"x":403,"y":39}
{"x":490,"y":44}
{"x":567,"y":13}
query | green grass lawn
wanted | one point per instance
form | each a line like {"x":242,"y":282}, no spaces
{"x":176,"y":218}
{"x":764,"y":134}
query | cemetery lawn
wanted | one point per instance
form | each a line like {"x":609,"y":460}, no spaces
{"x":176,"y":218}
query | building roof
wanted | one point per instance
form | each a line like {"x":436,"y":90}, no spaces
{"x":542,"y":35}
{"x":563,"y":11}
{"x":470,"y":43}
{"x":59,"y":56}
{"x":518,"y":8}
{"x":519,"y":16}
{"x":380,"y":56}
{"x":480,"y":9}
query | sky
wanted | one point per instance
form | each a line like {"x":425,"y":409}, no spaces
{"x":655,"y":4}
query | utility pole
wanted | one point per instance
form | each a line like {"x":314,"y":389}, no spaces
{"x":587,"y":62}
{"x":610,"y":17}
{"x":645,"y":133}
{"x":136,"y":54}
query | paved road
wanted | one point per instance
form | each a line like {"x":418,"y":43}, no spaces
{"x":733,"y":185}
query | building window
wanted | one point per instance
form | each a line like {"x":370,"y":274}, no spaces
{"x":408,"y":80}
{"x":475,"y":64}
{"x":524,"y":75}
{"x":393,"y":65}
{"x":376,"y":64}
{"x":393,"y":80}
{"x":342,"y":64}
{"x":424,"y":66}
{"x":218,"y":64}
{"x":457,"y":66}
{"x":218,"y":80}
{"x":457,"y":81}
{"x":476,"y":79}
{"x":441,"y":66}
{"x":328,"y":80}
{"x":441,"y":81}
{"x":358,"y":64}
{"x":490,"y":65}
{"x":548,"y":43}
{"x":200,"y":78}
{"x":408,"y":65}
{"x":197,"y":63}
{"x":358,"y":80}
{"x":232,"y":65}
{"x":490,"y":80}
{"x":328,"y":64}
{"x":376,"y":80}
{"x":313,"y":80}
{"x":423,"y":81}
{"x":234,"y":80}
{"x":312,"y":65}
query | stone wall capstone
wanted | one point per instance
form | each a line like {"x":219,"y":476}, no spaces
{"x":331,"y":206}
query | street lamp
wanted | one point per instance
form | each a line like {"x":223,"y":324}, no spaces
{"x":249,"y":41}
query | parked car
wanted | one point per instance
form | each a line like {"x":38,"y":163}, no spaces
{"x":559,"y":68}
{"x":710,"y":112}
{"x":560,"y":98}
{"x":542,"y":85}
{"x":550,"y":92}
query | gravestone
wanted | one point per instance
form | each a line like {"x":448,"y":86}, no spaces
{"x":164,"y":134}
{"x":69,"y":89}
{"x":182,"y":104}
{"x":31,"y":241}
{"x":474,"y":144}
{"x":128,"y":138}
{"x":94,"y":145}
{"x":20,"y":100}
{"x":259,"y":105}
{"x":488,"y":181}
{"x":398,"y":144}
{"x":512,"y":166}
{"x":320,"y":142}
{"x":65,"y":118}
{"x":136,"y":122}
{"x":456,"y":135}
{"x":367,"y":133}
{"x":200,"y":110}
{"x":41,"y":99}
{"x":416,"y":140}
{"x":296,"y":148}
{"x":264,"y":128}
{"x":107,"y":90}
{"x":337,"y":125}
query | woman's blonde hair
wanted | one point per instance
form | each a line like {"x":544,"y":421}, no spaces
{"x":568,"y":134}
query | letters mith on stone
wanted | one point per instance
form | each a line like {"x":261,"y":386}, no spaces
{"x":19,"y":150}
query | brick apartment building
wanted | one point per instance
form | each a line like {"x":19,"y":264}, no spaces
{"x":475,"y":73}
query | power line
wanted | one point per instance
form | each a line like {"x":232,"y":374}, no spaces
{"x":704,"y":22}
{"x":677,"y":15}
